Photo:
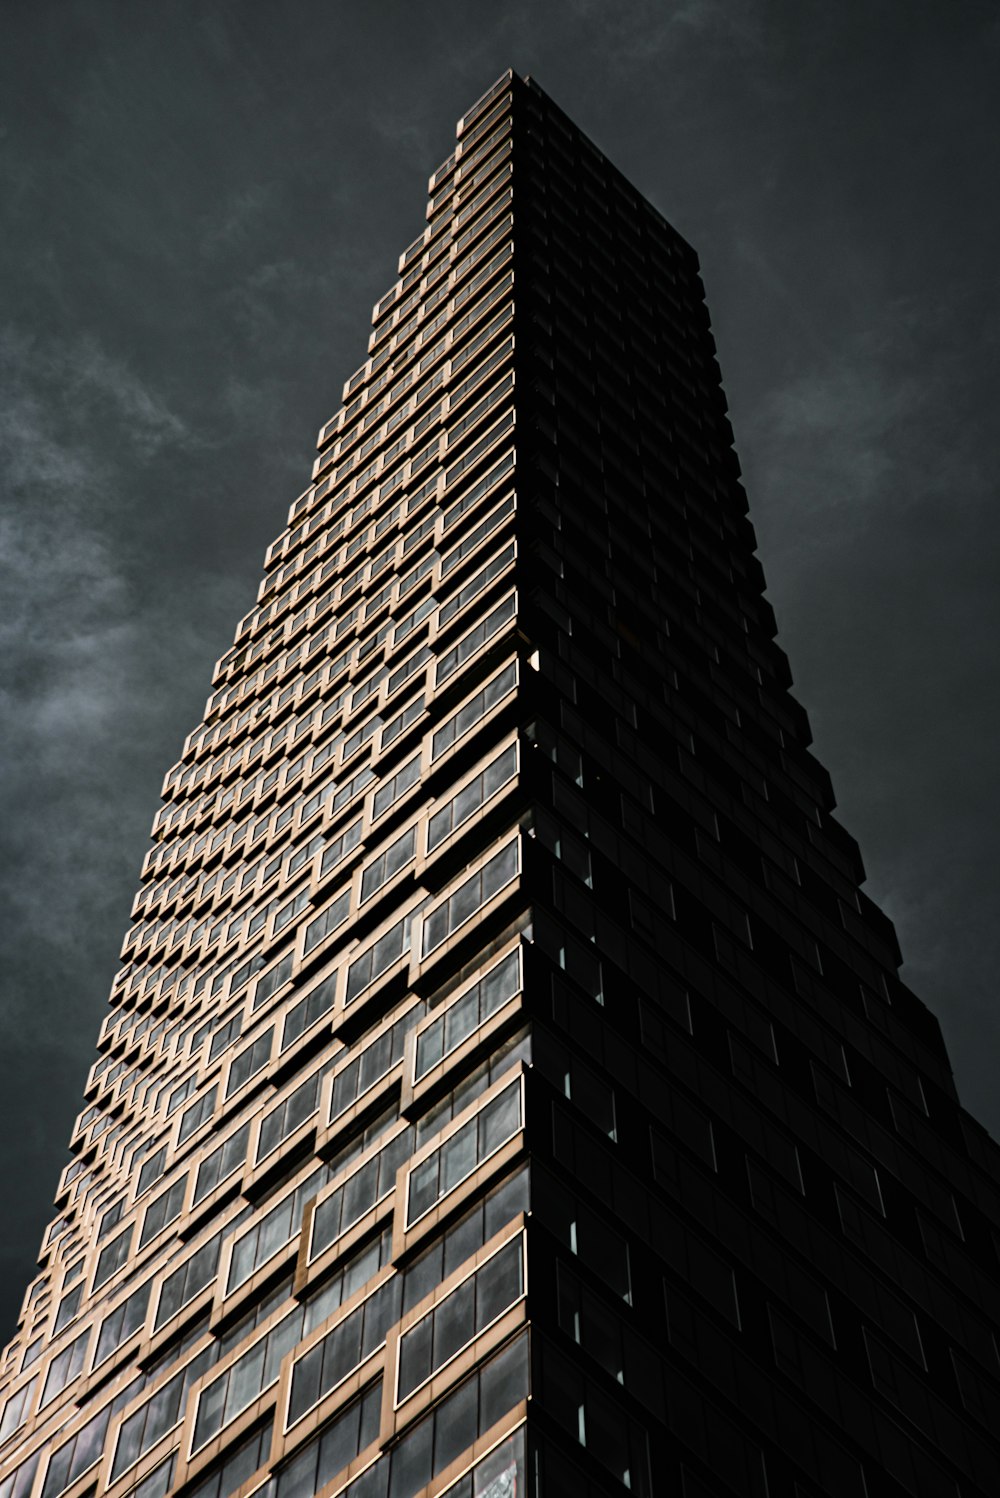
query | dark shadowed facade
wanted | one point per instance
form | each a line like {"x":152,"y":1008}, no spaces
{"x":507,"y":1088}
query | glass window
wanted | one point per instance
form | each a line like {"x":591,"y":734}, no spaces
{"x":361,"y":1191}
{"x":616,"y":1442}
{"x":225,"y":1036}
{"x":308,"y":1010}
{"x":245,"y":1380}
{"x":221,"y":1163}
{"x":336,"y":1445}
{"x":122,"y":1322}
{"x":471,"y":797}
{"x":584,"y":1233}
{"x":18,"y":1484}
{"x":199,"y":1113}
{"x":470,"y":897}
{"x":239,"y":1464}
{"x":377,"y":959}
{"x":68,"y":1307}
{"x":341,"y":847}
{"x":476,"y":584}
{"x":63,"y":1368}
{"x":288,"y":1116}
{"x":193,"y":1276}
{"x":468,"y":1412}
{"x":291,"y":909}
{"x":464,"y":1152}
{"x":356,"y":1272}
{"x":77,"y":1455}
{"x":331,"y":920}
{"x":161,"y":1212}
{"x":15,"y":1411}
{"x":402,"y":721}
{"x":474,"y":710}
{"x":388,"y":864}
{"x":372,"y":1062}
{"x":273,"y":1231}
{"x":467,"y":1013}
{"x":272,"y":981}
{"x":250,"y":1061}
{"x":395,"y":787}
{"x":140,"y":1432}
{"x":466,"y":1237}
{"x":352,"y":1340}
{"x":471,"y":1307}
{"x":475,"y":538}
{"x":113,"y":1257}
{"x":469,"y":644}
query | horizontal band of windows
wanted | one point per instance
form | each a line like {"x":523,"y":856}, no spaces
{"x":257,"y":1369}
{"x":449,"y":1429}
{"x":453,"y":1025}
{"x":251,"y":1374}
{"x":466,"y":1311}
{"x":472,"y":797}
{"x":76,"y":1456}
{"x":273,"y":1232}
{"x":245,"y":1380}
{"x":476,"y":1227}
{"x":454,"y":659}
{"x":476,"y":451}
{"x":502,"y":1059}
{"x":343,"y":1349}
{"x":151,"y":1421}
{"x":472,"y":712}
{"x":467,"y":502}
{"x":464,"y":1151}
{"x":372,"y":1062}
{"x":378,"y":958}
{"x":332,"y":1449}
{"x":441,"y":923}
{"x":369,"y":1184}
{"x":481,"y":580}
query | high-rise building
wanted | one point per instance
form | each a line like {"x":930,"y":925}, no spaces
{"x":507,"y":1088}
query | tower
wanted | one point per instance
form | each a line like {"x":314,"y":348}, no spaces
{"x":507,"y":1086}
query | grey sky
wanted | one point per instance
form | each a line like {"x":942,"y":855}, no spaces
{"x":201,"y":201}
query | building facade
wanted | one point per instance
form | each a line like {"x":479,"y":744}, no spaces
{"x":507,"y":1087}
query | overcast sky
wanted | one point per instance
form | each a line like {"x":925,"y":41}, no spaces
{"x":200,"y":202}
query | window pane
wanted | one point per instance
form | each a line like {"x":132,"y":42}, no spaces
{"x":498,"y":1284}
{"x":458,"y":1157}
{"x":455,"y":1426}
{"x":423,"y":1187}
{"x":415,"y":1356}
{"x":411,"y":1462}
{"x":454,"y":1322}
{"x":503,"y":1382}
{"x":500,"y":1120}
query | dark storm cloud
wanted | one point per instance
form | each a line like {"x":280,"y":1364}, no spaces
{"x":201,"y":203}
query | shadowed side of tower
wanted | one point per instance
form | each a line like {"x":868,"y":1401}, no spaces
{"x":508,"y":1087}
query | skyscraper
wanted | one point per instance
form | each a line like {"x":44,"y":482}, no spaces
{"x":508,"y":1087}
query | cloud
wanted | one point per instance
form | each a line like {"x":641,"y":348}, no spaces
{"x":77,"y":431}
{"x":648,"y":31}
